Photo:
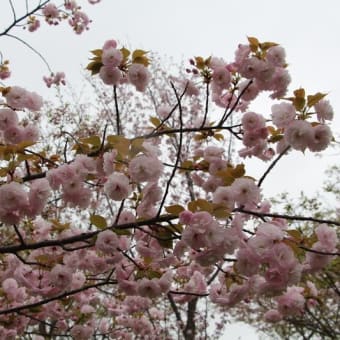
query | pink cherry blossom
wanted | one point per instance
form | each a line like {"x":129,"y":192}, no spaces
{"x":276,"y":56}
{"x":272,"y":315}
{"x":139,"y":76}
{"x":55,"y":79}
{"x":8,"y":118}
{"x":270,"y":232}
{"x":252,"y":121}
{"x":283,"y":114}
{"x":109,"y":162}
{"x":51,"y":13}
{"x":110,"y":75}
{"x":149,"y":288}
{"x":247,"y":261}
{"x":279,"y":83}
{"x":324,"y":110}
{"x":220,"y":79}
{"x":291,"y":302}
{"x":61,"y":276}
{"x":224,"y":196}
{"x":79,"y":21}
{"x":250,"y":67}
{"x":33,"y":24}
{"x":81,"y":332}
{"x":30,"y":133}
{"x":299,"y":134}
{"x":321,"y":138}
{"x":111,"y":57}
{"x":145,"y":168}
{"x":117,"y":187}
{"x":212,"y":153}
{"x":110,"y":44}
{"x":327,"y":236}
{"x":13,"y":202}
{"x":249,"y":91}
{"x":107,"y":242}
{"x":19,"y":98}
{"x":40,"y":191}
{"x":246,"y":191}
{"x":14,"y":134}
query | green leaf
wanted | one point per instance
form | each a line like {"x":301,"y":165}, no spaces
{"x":155,"y":121}
{"x":138,"y":57}
{"x":295,"y":234}
{"x":300,"y":93}
{"x":58,"y":226}
{"x":299,"y":100}
{"x":23,"y":145}
{"x":266,"y":45}
{"x":125,"y":52}
{"x":226,"y":175}
{"x":124,"y":231}
{"x":200,"y":63}
{"x":136,"y":146}
{"x":93,"y":140}
{"x":220,"y":211}
{"x":35,"y":309}
{"x":253,"y":43}
{"x":174,"y":209}
{"x":94,"y":67}
{"x":164,"y":238}
{"x":200,"y":205}
{"x":98,"y":221}
{"x":138,"y":53}
{"x":98,"y":52}
{"x":238,"y":171}
{"x":120,"y":143}
{"x":314,"y":99}
{"x":218,"y":136}
{"x":142,"y":60}
{"x":187,"y":165}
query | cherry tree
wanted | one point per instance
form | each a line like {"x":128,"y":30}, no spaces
{"x":130,"y":217}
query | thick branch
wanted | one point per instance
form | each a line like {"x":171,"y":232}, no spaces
{"x":287,"y":217}
{"x":54,"y":298}
{"x":82,"y":237}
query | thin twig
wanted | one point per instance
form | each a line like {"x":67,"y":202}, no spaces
{"x":271,"y":166}
{"x":179,"y":98}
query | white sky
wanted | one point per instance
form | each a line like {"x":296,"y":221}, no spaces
{"x":308,"y":29}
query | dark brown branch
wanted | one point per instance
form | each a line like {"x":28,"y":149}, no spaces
{"x":226,"y":116}
{"x":179,"y":98}
{"x":190,"y":327}
{"x":17,"y":21}
{"x":54,"y":298}
{"x":206,"y":105}
{"x":287,"y":217}
{"x":84,"y":236}
{"x":271,"y":166}
{"x":185,"y":130}
{"x":119,"y":129}
{"x":188,"y":293}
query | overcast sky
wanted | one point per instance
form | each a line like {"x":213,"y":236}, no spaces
{"x":308,"y":29}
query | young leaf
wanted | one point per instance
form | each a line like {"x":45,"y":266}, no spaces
{"x":314,"y":99}
{"x":98,"y":221}
{"x":174,"y":209}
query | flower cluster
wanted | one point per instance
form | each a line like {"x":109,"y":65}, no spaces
{"x":114,"y":66}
